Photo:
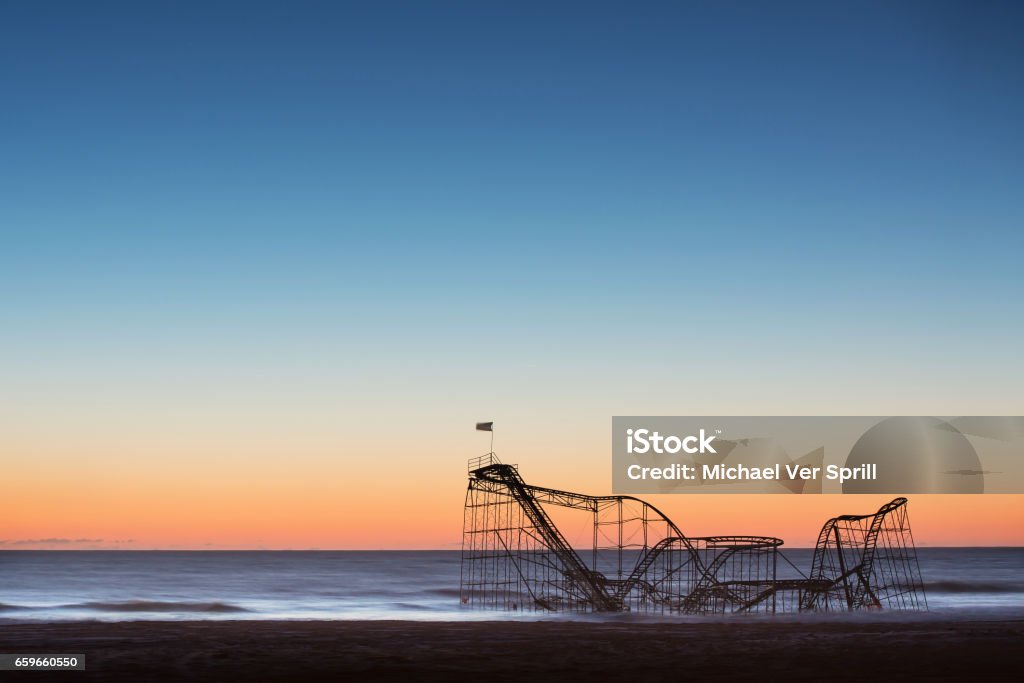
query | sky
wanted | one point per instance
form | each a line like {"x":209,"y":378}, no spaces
{"x":264,"y":264}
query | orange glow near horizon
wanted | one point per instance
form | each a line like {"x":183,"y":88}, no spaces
{"x":292,"y":485}
{"x":324,"y":514}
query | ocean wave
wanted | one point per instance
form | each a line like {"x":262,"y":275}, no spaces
{"x":157,"y":606}
{"x":445,"y":592}
{"x":973,"y":587}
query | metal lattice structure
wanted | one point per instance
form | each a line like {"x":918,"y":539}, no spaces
{"x":866,"y":561}
{"x":515,"y":557}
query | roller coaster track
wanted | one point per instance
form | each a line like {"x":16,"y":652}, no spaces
{"x":868,"y":558}
{"x":855,"y":596}
{"x":709,"y":583}
{"x":589,"y":582}
{"x":515,"y":556}
{"x":594,"y":585}
{"x":636,"y":576}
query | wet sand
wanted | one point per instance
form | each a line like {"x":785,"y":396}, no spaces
{"x":523,"y":651}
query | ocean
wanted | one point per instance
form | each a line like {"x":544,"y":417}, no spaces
{"x":406,"y":585}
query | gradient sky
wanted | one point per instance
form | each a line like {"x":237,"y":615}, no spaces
{"x":264,"y":264}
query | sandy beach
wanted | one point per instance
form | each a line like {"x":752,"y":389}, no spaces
{"x":524,"y":651}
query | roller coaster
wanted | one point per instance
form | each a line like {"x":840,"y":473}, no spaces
{"x":515,"y":557}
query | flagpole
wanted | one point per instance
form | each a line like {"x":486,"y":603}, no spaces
{"x":487,"y":427}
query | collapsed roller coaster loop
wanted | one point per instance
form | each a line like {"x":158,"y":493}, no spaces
{"x":515,"y":557}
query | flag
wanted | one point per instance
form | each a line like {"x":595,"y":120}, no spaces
{"x":485,"y":426}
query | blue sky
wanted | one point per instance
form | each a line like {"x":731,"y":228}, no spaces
{"x":510,"y":209}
